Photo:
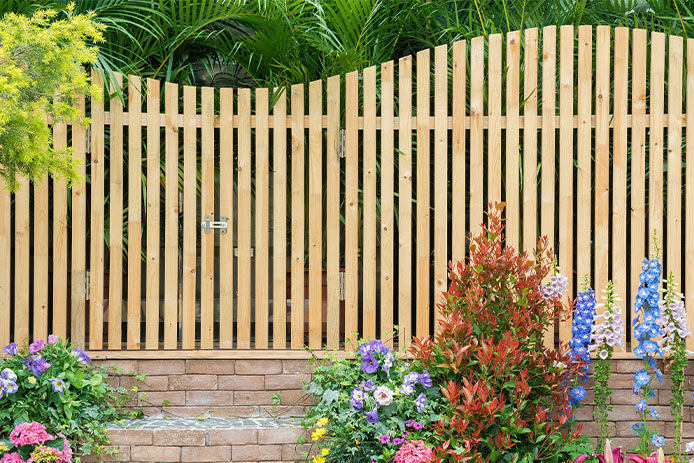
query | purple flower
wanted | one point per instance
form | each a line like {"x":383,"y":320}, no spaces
{"x":58,"y":385}
{"x":368,"y":386}
{"x":384,"y":439}
{"x":369,"y":365}
{"x":81,"y":356}
{"x":53,"y":339}
{"x":11,"y":349}
{"x":421,"y":402}
{"x":372,"y":416}
{"x":425,"y":379}
{"x":397,"y":441}
{"x":418,"y":426}
{"x":37,"y":364}
{"x":410,"y":423}
{"x":410,"y":378}
{"x":357,"y":400}
{"x":37,"y":346}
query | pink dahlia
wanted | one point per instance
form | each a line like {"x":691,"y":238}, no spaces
{"x":29,"y":434}
{"x":414,"y":451}
{"x":11,"y":458}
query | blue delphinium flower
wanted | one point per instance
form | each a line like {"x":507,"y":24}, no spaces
{"x":581,"y":328}
{"x":577,"y":395}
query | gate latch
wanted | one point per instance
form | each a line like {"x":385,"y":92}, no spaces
{"x":208,"y":224}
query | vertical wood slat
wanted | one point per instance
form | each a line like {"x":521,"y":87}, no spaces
{"x":78,"y":289}
{"x":441,"y":174}
{"x":5,"y":270}
{"x":115,"y":214}
{"x":548,"y":156}
{"x":226,"y":208}
{"x":602,"y":155}
{"x":369,"y":195}
{"x":262,"y":206}
{"x":530,"y":141}
{"x":566,"y":165}
{"x":674,"y":158}
{"x":583,"y":142}
{"x":297,"y":233}
{"x":279,"y":223}
{"x":619,"y":163}
{"x":207,"y":208}
{"x":513,"y":140}
{"x":689,"y":181}
{"x":655,"y":157}
{"x":638,"y":160}
{"x":152,"y":215}
{"x":315,"y":214}
{"x":476,"y":134}
{"x":171,"y":218}
{"x":404,"y":200}
{"x":60,"y":256}
{"x":458,"y":209}
{"x":423,"y":193}
{"x":96,"y":250}
{"x":351,"y":209}
{"x":333,"y":213}
{"x":243,"y":319}
{"x":22,"y":248}
{"x":387,"y":200}
{"x":134,"y":211}
{"x":40,"y":248}
{"x":494,"y":93}
{"x":189,"y":217}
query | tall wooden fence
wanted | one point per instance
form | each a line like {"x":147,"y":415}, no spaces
{"x":343,"y":200}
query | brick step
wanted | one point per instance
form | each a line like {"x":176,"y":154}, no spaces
{"x":206,"y":440}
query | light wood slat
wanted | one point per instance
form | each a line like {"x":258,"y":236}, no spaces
{"x":423,"y":193}
{"x":78,"y":262}
{"x":548,"y":155}
{"x":152,"y":217}
{"x":387,"y":200}
{"x":60,"y":255}
{"x":262,"y":221}
{"x":494,"y":92}
{"x":243,"y":319}
{"x":530,"y":142}
{"x":351,"y":210}
{"x":476,"y":134}
{"x":583,"y":143}
{"x":689,"y":182}
{"x":674,"y":158}
{"x":115,"y":215}
{"x":315,"y":215}
{"x":207,"y":208}
{"x":22,"y":257}
{"x":297,"y":233}
{"x":134,"y":214}
{"x":458,"y":202}
{"x":638,"y":162}
{"x":226,"y":208}
{"x":189,"y":263}
{"x":171,"y":218}
{"x":566,"y":166}
{"x":96,"y":229}
{"x":279,"y":224}
{"x":404,"y":201}
{"x":369,"y":199}
{"x":513,"y":153}
{"x":5,"y":270}
{"x":619,"y":163}
{"x":602,"y":156}
{"x":40,"y":268}
{"x":333,"y":212}
{"x":655,"y":145}
{"x":441,"y":175}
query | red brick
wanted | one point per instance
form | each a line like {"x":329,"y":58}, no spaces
{"x":179,"y":437}
{"x":296,"y":367}
{"x":279,"y":435}
{"x":162,"y":367}
{"x":256,"y":452}
{"x":206,"y":454}
{"x":232,"y":436}
{"x":285,"y":382}
{"x":253,"y":398}
{"x":210,"y":367}
{"x":627,"y":396}
{"x":627,"y":366}
{"x":111,"y":453}
{"x":150,"y":383}
{"x":130,"y":436}
{"x":296,"y":397}
{"x":155,"y":454}
{"x":193,"y":382}
{"x":283,"y":410}
{"x":241,"y":383}
{"x":210,"y":398}
{"x":157,"y":398}
{"x":124,"y":367}
{"x":294,"y":452}
{"x":258,"y":367}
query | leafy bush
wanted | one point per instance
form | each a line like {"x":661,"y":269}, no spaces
{"x":54,"y":383}
{"x":369,"y":408}
{"x":507,"y":393}
{"x":30,"y":442}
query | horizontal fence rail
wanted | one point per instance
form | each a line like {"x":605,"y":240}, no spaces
{"x":237,"y":219}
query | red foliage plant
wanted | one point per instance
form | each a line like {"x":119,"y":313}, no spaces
{"x":506,"y":391}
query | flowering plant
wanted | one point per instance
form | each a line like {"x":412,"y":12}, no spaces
{"x":30,"y":443}
{"x":371,"y":407}
{"x":54,"y":383}
{"x":581,"y":329}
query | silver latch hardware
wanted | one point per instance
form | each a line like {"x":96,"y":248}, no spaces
{"x":208,"y":224}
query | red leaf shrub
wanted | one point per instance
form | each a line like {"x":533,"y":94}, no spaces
{"x":507,"y":393}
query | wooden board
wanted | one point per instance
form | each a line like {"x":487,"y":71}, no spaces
{"x":243,"y":320}
{"x":530,"y":141}
{"x":60,"y":241}
{"x":315,"y":215}
{"x":226,"y":208}
{"x":96,"y":228}
{"x":458,"y":153}
{"x":207,"y":208}
{"x":513,"y":153}
{"x":369,"y":199}
{"x":5,"y":270}
{"x":494,"y":93}
{"x":171,"y":218}
{"x":689,"y":218}
{"x":441,"y":175}
{"x":476,"y":134}
{"x":134,"y":212}
{"x":152,"y":214}
{"x":583,"y":146}
{"x":279,"y":223}
{"x":674,"y":159}
{"x":40,"y":270}
{"x":262,"y":206}
{"x":188,"y":297}
{"x":22,"y":249}
{"x":297,"y":233}
{"x":655,"y":145}
{"x":602,"y":156}
{"x":423,"y":193}
{"x":115,"y":217}
{"x":387,"y":200}
{"x":405,"y":201}
{"x":78,"y":283}
{"x":351,"y":210}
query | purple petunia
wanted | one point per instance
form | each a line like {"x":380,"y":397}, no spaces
{"x":37,"y":364}
{"x":59,"y":385}
{"x":421,"y":402}
{"x":384,"y":439}
{"x":372,"y":416}
{"x":81,"y":356}
{"x":397,"y":442}
{"x":369,"y":364}
{"x":425,"y":379}
{"x":11,"y":349}
{"x":37,"y":346}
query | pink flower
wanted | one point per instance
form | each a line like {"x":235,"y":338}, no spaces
{"x":29,"y":434}
{"x":53,"y":339}
{"x":11,"y":458}
{"x":415,"y":451}
{"x":66,"y":455}
{"x":37,"y":346}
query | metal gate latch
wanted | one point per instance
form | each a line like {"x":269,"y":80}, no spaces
{"x":208,"y":224}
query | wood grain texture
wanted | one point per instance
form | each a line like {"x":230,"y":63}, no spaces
{"x":387,"y":200}
{"x":96,"y":228}
{"x":262,"y":220}
{"x":78,"y":254}
{"x":226,"y":208}
{"x":458,"y":153}
{"x":315,"y":215}
{"x":279,"y":224}
{"x":689,"y":182}
{"x":441,"y":175}
{"x":602,"y":156}
{"x":583,"y":146}
{"x":405,"y":201}
{"x":674,"y":158}
{"x":351,"y":210}
{"x":115,"y":217}
{"x":171,"y":219}
{"x":494,"y":93}
{"x":369,"y":231}
{"x":60,"y":242}
{"x":476,"y":134}
{"x":297,"y":230}
{"x":152,"y":212}
{"x":656,"y":109}
{"x":207,"y":207}
{"x":423,"y":260}
{"x":190,"y":226}
{"x":530,"y":141}
{"x":22,"y":257}
{"x":134,"y":214}
{"x":40,"y":268}
{"x":243,"y":319}
{"x":333,"y":213}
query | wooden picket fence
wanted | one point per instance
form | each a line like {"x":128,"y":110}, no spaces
{"x":341,"y":219}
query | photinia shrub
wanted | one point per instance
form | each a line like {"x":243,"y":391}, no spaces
{"x":507,"y":393}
